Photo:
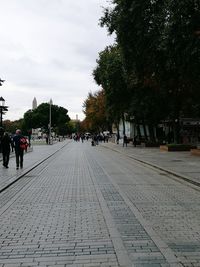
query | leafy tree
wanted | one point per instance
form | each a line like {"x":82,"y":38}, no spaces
{"x":39,"y":118}
{"x":110,"y":74}
{"x":71,"y":127}
{"x":85,"y":126}
{"x":181,"y":77}
{"x":95,"y":112}
{"x":160,"y":48}
{"x":12,"y":126}
{"x":138,"y":26}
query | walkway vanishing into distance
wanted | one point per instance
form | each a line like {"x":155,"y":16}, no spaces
{"x":78,"y":205}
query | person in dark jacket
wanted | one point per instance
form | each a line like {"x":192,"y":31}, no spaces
{"x":135,"y":141}
{"x":19,"y":153}
{"x":125,"y":140}
{"x":1,"y":136}
{"x":6,"y":144}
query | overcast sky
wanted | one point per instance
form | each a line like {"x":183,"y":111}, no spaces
{"x":48,"y":49}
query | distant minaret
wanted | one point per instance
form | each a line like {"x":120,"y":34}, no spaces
{"x":76,"y":117}
{"x":34,"y":104}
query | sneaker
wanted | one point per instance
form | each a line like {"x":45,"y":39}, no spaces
{"x":17,"y":168}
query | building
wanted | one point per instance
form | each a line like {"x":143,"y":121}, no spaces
{"x":34,"y":103}
{"x":36,"y":133}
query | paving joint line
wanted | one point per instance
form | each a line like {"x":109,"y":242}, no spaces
{"x":166,"y":251}
{"x":121,"y":253}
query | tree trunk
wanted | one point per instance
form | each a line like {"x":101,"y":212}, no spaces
{"x":118,"y":136}
{"x":145,"y":131}
{"x":176,"y":130}
{"x":151,"y":134}
{"x":123,"y":122}
{"x":138,"y":131}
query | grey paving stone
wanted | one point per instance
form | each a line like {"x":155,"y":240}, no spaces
{"x":55,"y":215}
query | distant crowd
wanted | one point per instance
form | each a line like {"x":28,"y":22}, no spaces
{"x":95,"y":138}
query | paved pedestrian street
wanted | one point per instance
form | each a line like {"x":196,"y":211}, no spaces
{"x":92,"y":206}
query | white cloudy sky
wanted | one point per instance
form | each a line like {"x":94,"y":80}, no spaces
{"x":48,"y":49}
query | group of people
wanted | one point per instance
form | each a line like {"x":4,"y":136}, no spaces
{"x":8,"y":144}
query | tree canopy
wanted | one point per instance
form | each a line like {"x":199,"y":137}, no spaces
{"x":153,"y":70}
{"x":110,"y":74}
{"x":94,"y":109}
{"x":39,"y":118}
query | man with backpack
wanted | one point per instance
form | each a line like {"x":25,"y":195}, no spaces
{"x":20,"y":145}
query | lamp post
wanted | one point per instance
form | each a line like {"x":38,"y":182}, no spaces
{"x":50,"y":103}
{"x":1,"y":81}
{"x":3,"y":108}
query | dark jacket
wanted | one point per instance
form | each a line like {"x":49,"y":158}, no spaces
{"x":16,"y":141}
{"x":6,"y":143}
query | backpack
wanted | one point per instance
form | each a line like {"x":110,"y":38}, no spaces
{"x":23,"y":144}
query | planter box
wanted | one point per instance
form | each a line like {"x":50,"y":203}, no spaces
{"x":195,"y":152}
{"x":178,"y":147}
{"x":164,"y":148}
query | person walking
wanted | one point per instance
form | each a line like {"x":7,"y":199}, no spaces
{"x":135,"y":141}
{"x":118,"y":137}
{"x":125,"y":140}
{"x":19,"y":145}
{"x":6,"y":144}
{"x":1,"y":136}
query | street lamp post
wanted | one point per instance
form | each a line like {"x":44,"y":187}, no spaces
{"x":1,"y":81}
{"x":50,"y":103}
{"x":3,"y":109}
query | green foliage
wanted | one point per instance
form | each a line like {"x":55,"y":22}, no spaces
{"x":71,"y":127}
{"x":39,"y":118}
{"x":181,"y":74}
{"x":110,"y":74}
{"x":159,"y":44}
{"x":12,"y":126}
{"x":138,"y":26}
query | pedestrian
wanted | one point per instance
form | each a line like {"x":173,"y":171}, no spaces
{"x":118,"y":137}
{"x":1,"y":136}
{"x":47,"y":139}
{"x":135,"y":141}
{"x":6,"y":144}
{"x":82,"y":137}
{"x":20,"y":146}
{"x":95,"y":139}
{"x":125,"y":140}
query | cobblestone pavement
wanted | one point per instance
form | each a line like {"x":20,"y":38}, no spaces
{"x":170,"y":207}
{"x":91,"y":206}
{"x":183,"y":164}
{"x":36,"y":155}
